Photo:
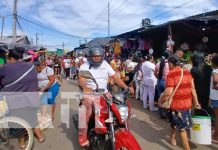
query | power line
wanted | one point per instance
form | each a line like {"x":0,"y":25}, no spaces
{"x":37,"y":5}
{"x":94,"y":23}
{"x":29,"y":34}
{"x":73,"y":36}
{"x":172,"y":9}
{"x":7,"y":6}
{"x":164,"y":13}
{"x":60,"y":45}
{"x":100,"y":17}
{"x":133,"y":15}
{"x":44,"y":31}
{"x":20,"y":26}
{"x":117,"y":10}
{"x":35,"y":29}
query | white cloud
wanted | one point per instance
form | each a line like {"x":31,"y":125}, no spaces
{"x":82,"y":18}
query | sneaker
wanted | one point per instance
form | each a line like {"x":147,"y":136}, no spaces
{"x":83,"y":141}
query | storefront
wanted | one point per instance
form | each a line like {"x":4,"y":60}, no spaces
{"x":198,"y":32}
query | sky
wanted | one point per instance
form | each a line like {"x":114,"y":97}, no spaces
{"x":73,"y":22}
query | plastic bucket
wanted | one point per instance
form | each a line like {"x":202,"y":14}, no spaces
{"x":201,"y":130}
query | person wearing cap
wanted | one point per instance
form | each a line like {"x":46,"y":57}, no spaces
{"x":27,"y":57}
{"x":183,"y":99}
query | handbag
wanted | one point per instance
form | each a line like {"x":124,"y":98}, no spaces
{"x":166,"y":104}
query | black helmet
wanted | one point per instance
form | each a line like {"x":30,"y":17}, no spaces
{"x":95,"y":50}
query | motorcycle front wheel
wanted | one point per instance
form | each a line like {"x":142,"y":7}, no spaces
{"x":109,"y":146}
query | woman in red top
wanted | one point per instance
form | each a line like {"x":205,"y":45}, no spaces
{"x":185,"y":95}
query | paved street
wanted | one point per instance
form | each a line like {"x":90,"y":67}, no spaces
{"x":149,"y":130}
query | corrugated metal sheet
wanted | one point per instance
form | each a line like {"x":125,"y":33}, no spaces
{"x":19,"y":40}
{"x":99,"y":41}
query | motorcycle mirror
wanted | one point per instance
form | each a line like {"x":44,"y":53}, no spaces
{"x":86,"y":74}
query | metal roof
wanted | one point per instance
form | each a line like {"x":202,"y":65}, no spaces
{"x":209,"y":19}
{"x":99,"y":41}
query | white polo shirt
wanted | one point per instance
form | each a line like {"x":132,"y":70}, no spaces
{"x":148,"y":74}
{"x":101,"y":75}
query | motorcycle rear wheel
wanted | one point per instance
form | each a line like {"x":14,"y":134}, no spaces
{"x":109,"y":145}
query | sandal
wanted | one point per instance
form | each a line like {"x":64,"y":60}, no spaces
{"x":22,"y":146}
{"x":215,"y":140}
{"x":42,"y":140}
{"x":171,"y":141}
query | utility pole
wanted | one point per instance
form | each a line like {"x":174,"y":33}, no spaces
{"x":15,"y":22}
{"x":42,"y":40}
{"x":63,"y":46}
{"x":108,"y":19}
{"x":31,"y":41}
{"x":3,"y":23}
{"x":37,"y":39}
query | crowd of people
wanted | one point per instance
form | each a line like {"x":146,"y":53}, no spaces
{"x":151,"y":78}
{"x":156,"y":79}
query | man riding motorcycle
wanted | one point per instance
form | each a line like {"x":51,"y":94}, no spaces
{"x":101,"y":71}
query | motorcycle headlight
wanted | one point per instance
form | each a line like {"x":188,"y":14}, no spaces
{"x":124,"y":112}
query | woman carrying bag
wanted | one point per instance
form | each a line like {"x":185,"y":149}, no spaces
{"x":48,"y":84}
{"x":180,"y":94}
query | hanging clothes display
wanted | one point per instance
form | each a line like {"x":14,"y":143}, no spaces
{"x":141,"y":44}
{"x":170,"y":42}
{"x":122,"y":42}
{"x":117,"y":48}
{"x":135,"y":44}
{"x":125,"y":45}
{"x":147,"y":44}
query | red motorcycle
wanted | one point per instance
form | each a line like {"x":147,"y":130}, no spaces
{"x":115,"y":113}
